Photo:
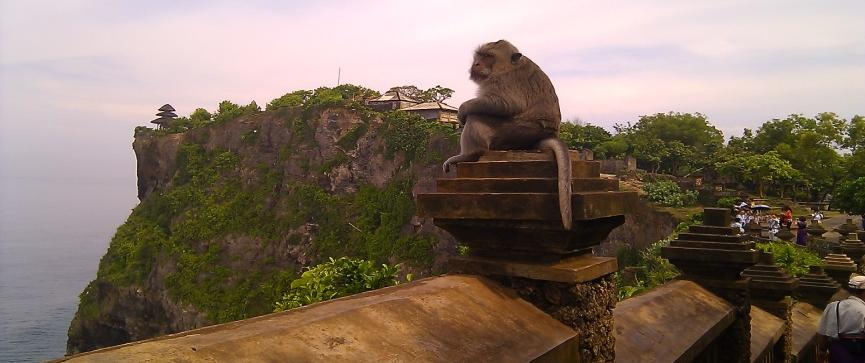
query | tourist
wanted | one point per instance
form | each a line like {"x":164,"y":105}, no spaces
{"x":774,"y":224}
{"x":738,"y":224}
{"x":787,"y":217}
{"x":801,"y":236}
{"x":817,"y":216}
{"x":841,"y":331}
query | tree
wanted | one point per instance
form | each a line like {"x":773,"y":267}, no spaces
{"x":437,"y":94}
{"x":434,"y":94}
{"x":673,"y":142}
{"x":200,"y":117}
{"x":760,"y":169}
{"x":582,"y":136}
{"x":850,"y":196}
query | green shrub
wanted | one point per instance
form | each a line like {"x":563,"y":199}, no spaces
{"x":795,"y":260}
{"x":667,"y":193}
{"x":337,"y":278}
{"x":726,"y":202}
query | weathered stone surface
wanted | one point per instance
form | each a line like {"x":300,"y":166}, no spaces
{"x":522,"y":185}
{"x":713,"y":250}
{"x":525,"y":169}
{"x":529,"y":240}
{"x":576,"y":269}
{"x":785,"y":234}
{"x":525,"y":155}
{"x":766,"y":331}
{"x":585,"y":307}
{"x":521,"y":206}
{"x":768,"y":281}
{"x":847,"y":228}
{"x":734,"y":343}
{"x":443,"y":319}
{"x":718,"y":217}
{"x":674,"y":322}
{"x":506,"y":206}
{"x":815,"y":287}
{"x":815,"y":229}
{"x":805,"y":318}
{"x":853,"y":247}
{"x":839,"y":267}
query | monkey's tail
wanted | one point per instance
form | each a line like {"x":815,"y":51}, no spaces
{"x":563,"y":163}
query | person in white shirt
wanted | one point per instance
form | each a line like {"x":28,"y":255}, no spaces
{"x":817,"y":216}
{"x":841,"y":331}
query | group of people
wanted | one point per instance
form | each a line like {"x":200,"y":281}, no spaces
{"x":745,"y":214}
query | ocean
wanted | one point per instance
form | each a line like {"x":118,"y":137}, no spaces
{"x":52,"y":235}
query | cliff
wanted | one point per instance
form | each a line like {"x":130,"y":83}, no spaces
{"x":232,"y":210}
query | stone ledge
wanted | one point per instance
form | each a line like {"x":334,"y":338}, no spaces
{"x":672,"y":323}
{"x":577,"y":269}
{"x":766,"y":330}
{"x":441,"y":319}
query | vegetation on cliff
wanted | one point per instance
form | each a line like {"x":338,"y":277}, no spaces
{"x":238,"y":218}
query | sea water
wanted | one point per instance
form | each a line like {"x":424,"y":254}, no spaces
{"x":52,"y":235}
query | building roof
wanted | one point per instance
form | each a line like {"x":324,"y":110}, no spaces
{"x":394,"y":94}
{"x":166,"y":107}
{"x":431,"y":106}
{"x":166,"y":114}
{"x":162,"y":120}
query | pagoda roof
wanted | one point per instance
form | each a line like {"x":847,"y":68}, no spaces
{"x":431,"y":106}
{"x":162,"y":120}
{"x":166,"y":107}
{"x":394,"y":94}
{"x":167,"y":114}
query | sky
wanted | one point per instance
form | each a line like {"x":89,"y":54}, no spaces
{"x":77,"y":76}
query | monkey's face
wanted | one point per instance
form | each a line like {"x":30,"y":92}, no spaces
{"x":482,"y":67}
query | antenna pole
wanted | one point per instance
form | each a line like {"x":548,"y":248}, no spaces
{"x":338,"y":75}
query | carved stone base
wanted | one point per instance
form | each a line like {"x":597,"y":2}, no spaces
{"x":586,"y":307}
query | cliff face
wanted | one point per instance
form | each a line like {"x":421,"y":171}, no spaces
{"x":231,"y":212}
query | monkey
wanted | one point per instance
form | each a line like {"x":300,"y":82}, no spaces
{"x":516,"y":108}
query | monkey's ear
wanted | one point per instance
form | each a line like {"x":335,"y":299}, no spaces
{"x":516,"y":57}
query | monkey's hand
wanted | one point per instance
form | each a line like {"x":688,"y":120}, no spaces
{"x":463,"y":112}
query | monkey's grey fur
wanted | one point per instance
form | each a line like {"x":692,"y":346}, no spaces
{"x":516,"y":108}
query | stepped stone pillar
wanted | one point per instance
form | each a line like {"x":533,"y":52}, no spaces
{"x":714,"y":256}
{"x":847,"y":228}
{"x":853,"y":247}
{"x":816,"y":287}
{"x":771,"y":290}
{"x":785,"y":234}
{"x":839,"y":267}
{"x":816,"y":242}
{"x":504,"y":207}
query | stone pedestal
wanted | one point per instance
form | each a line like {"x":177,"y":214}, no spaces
{"x":785,"y":234}
{"x":816,"y":242}
{"x":504,"y":207}
{"x":816,"y":288}
{"x":714,"y":255}
{"x":847,"y":227}
{"x":853,"y":247}
{"x":816,"y":230}
{"x":771,"y":289}
{"x":839,"y":267}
